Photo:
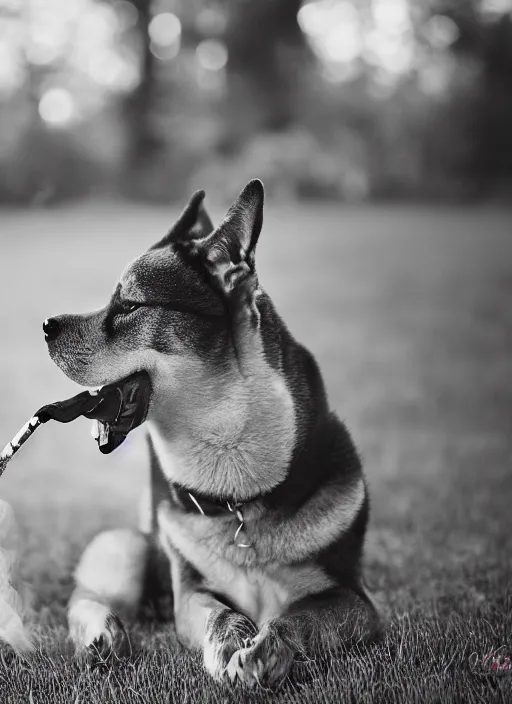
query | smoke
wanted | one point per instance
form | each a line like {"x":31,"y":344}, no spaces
{"x":13,"y":601}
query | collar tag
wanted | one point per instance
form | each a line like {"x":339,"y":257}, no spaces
{"x":193,"y":498}
{"x":240,"y":530}
{"x":232,"y":508}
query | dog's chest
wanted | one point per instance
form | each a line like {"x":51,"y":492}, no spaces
{"x":252,"y":591}
{"x":260,"y":592}
{"x":234,"y":440}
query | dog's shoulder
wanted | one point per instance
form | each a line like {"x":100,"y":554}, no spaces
{"x":325,"y":488}
{"x":323,"y":450}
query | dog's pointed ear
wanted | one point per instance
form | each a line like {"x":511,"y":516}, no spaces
{"x":235,"y":239}
{"x":228,"y":252}
{"x":194,"y":222}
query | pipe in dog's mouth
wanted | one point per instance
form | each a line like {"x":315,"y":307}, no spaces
{"x":117,"y":409}
{"x":123,"y":407}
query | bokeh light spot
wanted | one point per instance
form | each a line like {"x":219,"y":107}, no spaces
{"x":441,"y":31}
{"x":127,"y":14}
{"x":212,"y":54}
{"x":391,"y":15}
{"x":110,"y":69}
{"x":333,"y":29}
{"x":164,"y":29}
{"x":57,"y":107}
{"x":496,"y":7}
{"x":338,"y":34}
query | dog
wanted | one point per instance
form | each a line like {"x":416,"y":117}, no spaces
{"x":258,"y":501}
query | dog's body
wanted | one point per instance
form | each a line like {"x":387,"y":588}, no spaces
{"x":257,"y":494}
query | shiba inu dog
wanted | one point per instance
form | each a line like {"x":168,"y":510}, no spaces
{"x":257,"y":500}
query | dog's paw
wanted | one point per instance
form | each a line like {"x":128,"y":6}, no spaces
{"x":226,"y":633}
{"x":265,"y":661}
{"x":96,"y":632}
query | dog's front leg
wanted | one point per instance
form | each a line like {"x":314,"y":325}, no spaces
{"x":326,"y":620}
{"x":316,"y":625}
{"x":109,"y":587}
{"x":205,"y":623}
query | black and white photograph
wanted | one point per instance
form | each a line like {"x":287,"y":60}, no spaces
{"x":256,"y":351}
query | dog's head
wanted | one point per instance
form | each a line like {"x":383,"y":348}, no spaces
{"x":168,"y":313}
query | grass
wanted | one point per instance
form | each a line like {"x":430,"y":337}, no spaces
{"x":408,"y":311}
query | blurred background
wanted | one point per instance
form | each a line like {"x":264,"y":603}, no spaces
{"x":322,"y":99}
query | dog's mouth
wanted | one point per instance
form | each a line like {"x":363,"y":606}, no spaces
{"x":116,"y":409}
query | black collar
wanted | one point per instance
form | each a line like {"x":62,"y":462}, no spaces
{"x":195,"y":502}
{"x":190,"y":502}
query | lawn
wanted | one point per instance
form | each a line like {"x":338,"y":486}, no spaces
{"x":409,"y":312}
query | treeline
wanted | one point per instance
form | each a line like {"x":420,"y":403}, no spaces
{"x":245,"y":94}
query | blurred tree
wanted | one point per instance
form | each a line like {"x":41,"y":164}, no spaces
{"x":405,"y":97}
{"x":485,"y":36}
{"x":140,"y":104}
{"x":265,"y":47}
{"x":493,"y":147}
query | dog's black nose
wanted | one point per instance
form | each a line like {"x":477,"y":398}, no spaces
{"x":51,"y":329}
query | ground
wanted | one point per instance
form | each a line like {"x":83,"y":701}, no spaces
{"x":409,"y":313}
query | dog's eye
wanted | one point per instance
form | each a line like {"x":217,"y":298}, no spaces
{"x":125,"y":307}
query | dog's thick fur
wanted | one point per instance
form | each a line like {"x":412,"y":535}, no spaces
{"x":238,"y":414}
